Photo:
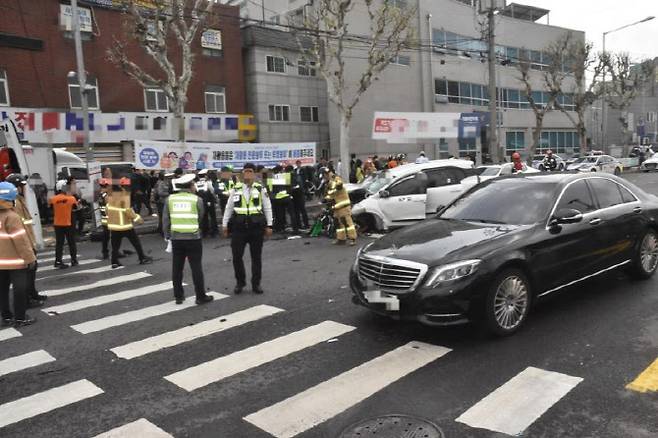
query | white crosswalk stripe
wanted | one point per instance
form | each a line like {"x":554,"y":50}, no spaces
{"x":52,"y":259}
{"x":9,"y":333}
{"x":101,"y":283}
{"x":110,"y":298}
{"x":52,"y":267}
{"x":513,"y":407}
{"x":68,"y":273}
{"x":47,"y":401}
{"x":25,"y":361}
{"x":186,"y":334}
{"x":320,"y":403}
{"x":46,"y":254}
{"x":141,"y":428}
{"x":223,"y":367}
{"x":137,"y":315}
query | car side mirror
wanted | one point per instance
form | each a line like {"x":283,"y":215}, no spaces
{"x":566,"y":216}
{"x":384,"y":193}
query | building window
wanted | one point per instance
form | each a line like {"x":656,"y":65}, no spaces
{"x":75,"y":98}
{"x":4,"y":89}
{"x":276,"y":64}
{"x":306,"y":68}
{"x":515,"y":141}
{"x":309,"y":114}
{"x":279,"y":113}
{"x":156,"y":100}
{"x":561,"y":142}
{"x":401,"y":60}
{"x":215,"y":98}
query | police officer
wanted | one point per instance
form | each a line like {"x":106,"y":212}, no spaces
{"x":181,"y":221}
{"x":224,"y":186}
{"x":206,"y":192}
{"x":280,"y":185}
{"x":248,"y":219}
{"x":34,"y":299}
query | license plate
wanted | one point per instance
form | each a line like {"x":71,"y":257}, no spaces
{"x":376,"y":296}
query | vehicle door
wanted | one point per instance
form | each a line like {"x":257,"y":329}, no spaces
{"x":443,"y":187}
{"x":620,"y":220}
{"x":404,"y":200}
{"x":570,"y":251}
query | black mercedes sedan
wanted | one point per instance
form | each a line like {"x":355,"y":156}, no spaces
{"x":504,"y":244}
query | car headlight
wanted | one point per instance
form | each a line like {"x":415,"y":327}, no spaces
{"x":451,"y":272}
{"x":358,"y":254}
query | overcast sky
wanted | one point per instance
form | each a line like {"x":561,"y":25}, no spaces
{"x":598,"y":16}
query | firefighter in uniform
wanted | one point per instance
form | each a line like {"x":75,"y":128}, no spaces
{"x":34,"y":299}
{"x":248,"y":220}
{"x":181,"y":218}
{"x":280,"y":186}
{"x":339,"y":200}
{"x":206,"y":192}
{"x":106,"y":189}
{"x":120,"y":220}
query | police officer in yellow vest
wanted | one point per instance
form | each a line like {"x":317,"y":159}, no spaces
{"x":120,"y":221}
{"x":248,"y":219}
{"x":280,"y":186}
{"x":340,"y":202}
{"x":181,"y":219}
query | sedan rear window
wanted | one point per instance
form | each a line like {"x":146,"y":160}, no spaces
{"x":606,"y":191}
{"x":508,"y":201}
{"x":578,"y":197}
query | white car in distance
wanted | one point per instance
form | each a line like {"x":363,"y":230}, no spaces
{"x":597,"y":163}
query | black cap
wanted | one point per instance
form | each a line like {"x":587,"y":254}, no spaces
{"x":249,"y":166}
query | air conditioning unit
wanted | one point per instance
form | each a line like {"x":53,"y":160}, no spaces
{"x":440,"y":98}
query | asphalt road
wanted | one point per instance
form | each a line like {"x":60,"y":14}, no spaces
{"x":291,"y":376}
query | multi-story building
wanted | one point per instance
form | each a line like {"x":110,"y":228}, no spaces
{"x":39,"y":89}
{"x":448,"y":73}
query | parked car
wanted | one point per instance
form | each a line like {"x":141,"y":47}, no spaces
{"x":651,"y":164}
{"x":572,"y":159}
{"x":496,"y":170}
{"x":407,"y":194}
{"x":506,"y":243}
{"x":537,"y":162}
{"x":597,"y":163}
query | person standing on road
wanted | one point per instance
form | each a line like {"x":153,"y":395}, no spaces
{"x":224,"y":186}
{"x":63,"y":204}
{"x":161,"y":194}
{"x":16,"y":259}
{"x":206,"y":192}
{"x":120,"y":220}
{"x":339,"y":200}
{"x":106,"y":188}
{"x":34,"y":299}
{"x":181,"y":218}
{"x":248,"y":220}
{"x":299,"y":196}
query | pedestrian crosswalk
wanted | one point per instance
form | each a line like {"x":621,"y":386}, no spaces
{"x":53,"y":268}
{"x":72,"y":272}
{"x":512,"y":408}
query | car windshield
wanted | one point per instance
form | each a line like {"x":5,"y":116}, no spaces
{"x":491,"y":171}
{"x":586,"y":160}
{"x":381,"y":180}
{"x":368,"y":180}
{"x":515,"y":201}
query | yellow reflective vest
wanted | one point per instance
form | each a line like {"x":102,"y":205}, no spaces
{"x":183,"y":212}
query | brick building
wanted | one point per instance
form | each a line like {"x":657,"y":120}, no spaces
{"x":37,"y":53}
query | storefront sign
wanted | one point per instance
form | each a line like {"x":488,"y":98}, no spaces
{"x":211,"y":39}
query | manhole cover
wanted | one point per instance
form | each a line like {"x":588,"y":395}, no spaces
{"x":393,"y":426}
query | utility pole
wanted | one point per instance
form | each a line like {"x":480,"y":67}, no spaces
{"x":493,"y":98}
{"x":82,"y":81}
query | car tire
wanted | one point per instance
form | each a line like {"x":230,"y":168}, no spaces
{"x":365,"y":223}
{"x":593,"y":170}
{"x":645,"y":261}
{"x":561,"y":167}
{"x":509,"y":294}
{"x":617,"y":171}
{"x":541,"y":168}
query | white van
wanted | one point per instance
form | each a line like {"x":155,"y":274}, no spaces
{"x":408,"y":194}
{"x":55,"y":163}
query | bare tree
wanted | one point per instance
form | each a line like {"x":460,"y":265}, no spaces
{"x":155,"y":29}
{"x":627,"y":80}
{"x":551,"y":79}
{"x":326,"y":41}
{"x":578,"y":60}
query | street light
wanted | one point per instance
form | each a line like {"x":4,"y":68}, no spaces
{"x":605,"y":89}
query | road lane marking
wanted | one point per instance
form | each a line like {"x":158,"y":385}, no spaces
{"x":101,"y":283}
{"x":52,"y":259}
{"x":647,"y":381}
{"x":189,"y":333}
{"x":25,"y":361}
{"x":137,"y":315}
{"x":141,"y":428}
{"x":47,"y":401}
{"x":9,"y":333}
{"x":215,"y":370}
{"x":46,"y":254}
{"x":105,"y":299}
{"x":515,"y":405}
{"x":67,"y":270}
{"x":320,"y":403}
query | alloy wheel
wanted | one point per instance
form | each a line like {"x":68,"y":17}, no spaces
{"x":649,"y":253}
{"x":511,"y":302}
